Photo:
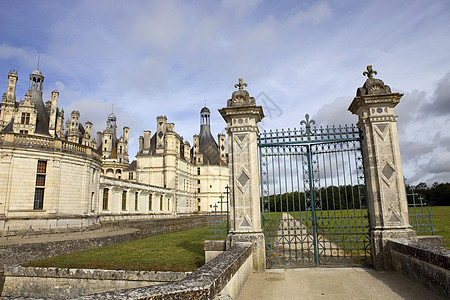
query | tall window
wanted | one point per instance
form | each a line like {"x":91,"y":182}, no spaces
{"x":161,"y":203}
{"x":124,"y":200}
{"x":136,"y":200}
{"x":92,"y":201}
{"x":25,"y":119}
{"x":130,"y":176}
{"x":105,"y":199}
{"x":150,"y":202}
{"x":198,"y":171}
{"x":40,"y":185}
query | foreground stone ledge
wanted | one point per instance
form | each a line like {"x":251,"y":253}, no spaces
{"x":61,"y":282}
{"x":159,"y":276}
{"x":204,"y":283}
{"x":424,"y":264}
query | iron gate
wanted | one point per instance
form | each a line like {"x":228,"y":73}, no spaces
{"x":313,"y":201}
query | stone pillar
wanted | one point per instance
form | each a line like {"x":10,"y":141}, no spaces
{"x":242,"y":116}
{"x":388,"y":207}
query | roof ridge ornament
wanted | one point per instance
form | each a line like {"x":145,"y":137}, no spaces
{"x":241,"y":84}
{"x":370,"y":72}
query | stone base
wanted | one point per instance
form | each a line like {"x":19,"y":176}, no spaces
{"x":258,"y":250}
{"x":380,"y":254}
{"x":434,"y":240}
{"x":213,"y":248}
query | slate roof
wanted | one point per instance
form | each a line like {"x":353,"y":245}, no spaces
{"x":42,"y":115}
{"x":208,"y":146}
{"x":9,"y":127}
{"x":132,"y":166}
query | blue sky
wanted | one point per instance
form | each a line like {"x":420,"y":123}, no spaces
{"x":150,"y":58}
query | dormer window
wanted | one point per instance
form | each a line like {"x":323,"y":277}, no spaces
{"x":25,"y":119}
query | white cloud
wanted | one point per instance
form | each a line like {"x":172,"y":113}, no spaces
{"x":240,"y":7}
{"x":316,"y":13}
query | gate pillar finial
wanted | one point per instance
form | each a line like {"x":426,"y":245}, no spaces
{"x":388,"y":206}
{"x":242,"y":116}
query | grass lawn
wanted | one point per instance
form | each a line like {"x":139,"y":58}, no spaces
{"x":183,"y":251}
{"x":180,"y":251}
{"x":441,"y":218}
{"x":332,"y":222}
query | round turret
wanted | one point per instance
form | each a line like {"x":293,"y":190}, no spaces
{"x":112,"y":117}
{"x":37,"y":72}
{"x":205,"y":110}
{"x":205,"y":115}
{"x":36,"y":80}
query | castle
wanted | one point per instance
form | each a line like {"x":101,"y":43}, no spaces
{"x":55,"y":177}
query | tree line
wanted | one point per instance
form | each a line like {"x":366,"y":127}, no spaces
{"x":350,"y":197}
{"x":436,"y":194}
{"x":332,"y":197}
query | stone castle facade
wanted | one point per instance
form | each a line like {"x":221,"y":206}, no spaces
{"x":54,"y":176}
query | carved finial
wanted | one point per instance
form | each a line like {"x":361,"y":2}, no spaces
{"x":241,"y":84}
{"x":370,"y":72}
{"x":39,"y":58}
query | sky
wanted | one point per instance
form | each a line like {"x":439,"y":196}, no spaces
{"x":143,"y":59}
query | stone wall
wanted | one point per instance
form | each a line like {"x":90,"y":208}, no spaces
{"x":424,"y":264}
{"x":15,"y":254}
{"x":59,"y":283}
{"x":162,"y":226}
{"x":227,"y":273}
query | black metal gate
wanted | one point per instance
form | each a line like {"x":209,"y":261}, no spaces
{"x":313,"y":199}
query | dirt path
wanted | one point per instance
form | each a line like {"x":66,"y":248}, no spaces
{"x":292,"y":236}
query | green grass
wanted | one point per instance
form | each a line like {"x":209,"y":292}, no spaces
{"x":346,"y":220}
{"x":180,"y":251}
{"x":441,"y":218}
{"x":183,"y":251}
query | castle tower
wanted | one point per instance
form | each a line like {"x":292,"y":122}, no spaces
{"x":87,"y":134}
{"x":126,"y":141}
{"x":8,"y":100}
{"x":35,"y":89}
{"x":160,"y":132}
{"x":205,"y":114}
{"x":12,"y":82}
{"x":72,"y":127}
{"x":53,"y":112}
{"x":36,"y":83}
{"x":60,"y":124}
{"x":111,"y":123}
